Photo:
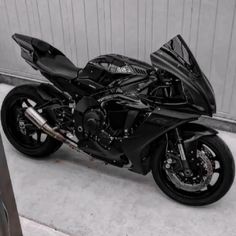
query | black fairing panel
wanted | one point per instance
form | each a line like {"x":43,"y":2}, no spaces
{"x":33,"y":47}
{"x":190,"y":133}
{"x":24,"y":41}
{"x":46,"y":92}
{"x":44,"y":57}
{"x":158,"y":123}
{"x":106,"y":69}
{"x":193,"y":128}
{"x":131,"y":61}
{"x":120,"y":61}
{"x":176,"y":58}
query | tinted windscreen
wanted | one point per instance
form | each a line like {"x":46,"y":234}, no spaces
{"x":178,"y":50}
{"x":176,"y":58}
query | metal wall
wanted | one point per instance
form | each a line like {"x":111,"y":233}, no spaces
{"x":83,"y":29}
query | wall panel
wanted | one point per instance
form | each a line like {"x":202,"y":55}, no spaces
{"x":84,"y":29}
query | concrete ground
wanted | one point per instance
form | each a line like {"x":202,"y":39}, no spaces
{"x":79,"y":197}
{"x":32,"y":228}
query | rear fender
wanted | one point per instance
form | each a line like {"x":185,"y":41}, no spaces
{"x":48,"y":92}
{"x":44,"y":91}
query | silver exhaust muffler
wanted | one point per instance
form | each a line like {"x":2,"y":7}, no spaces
{"x":42,"y":124}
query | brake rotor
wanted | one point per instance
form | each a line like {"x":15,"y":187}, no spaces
{"x":201,"y":178}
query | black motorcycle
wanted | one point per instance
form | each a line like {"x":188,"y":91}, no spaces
{"x":126,"y":113}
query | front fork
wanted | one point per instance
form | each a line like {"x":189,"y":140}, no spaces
{"x":187,"y":170}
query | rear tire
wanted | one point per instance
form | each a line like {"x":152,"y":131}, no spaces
{"x":203,"y":198}
{"x":47,"y":147}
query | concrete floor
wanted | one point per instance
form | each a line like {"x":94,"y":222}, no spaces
{"x":82,"y":197}
{"x":32,"y":228}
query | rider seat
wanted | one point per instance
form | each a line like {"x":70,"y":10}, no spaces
{"x":58,"y":66}
{"x":46,"y":58}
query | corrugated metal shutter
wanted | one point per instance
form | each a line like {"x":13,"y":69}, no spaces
{"x":84,"y":29}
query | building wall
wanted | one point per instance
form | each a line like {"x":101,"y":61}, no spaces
{"x":84,"y":29}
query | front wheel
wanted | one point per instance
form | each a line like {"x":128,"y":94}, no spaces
{"x":213,"y":172}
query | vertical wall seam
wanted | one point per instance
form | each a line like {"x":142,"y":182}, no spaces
{"x":9,"y":29}
{"x":40,"y":27}
{"x":167,"y":18}
{"x":124,"y":27}
{"x":86,"y":30}
{"x":33,"y":15}
{"x":27,"y":13}
{"x":228,"y":57}
{"x":198,"y":27}
{"x":98,"y":28}
{"x":75,"y":41}
{"x":182,"y":20}
{"x":62,"y":24}
{"x":145,"y":29}
{"x":231,"y":96}
{"x":152,"y":28}
{"x":50,"y":18}
{"x":110,"y":26}
{"x":137,"y":28}
{"x":17,"y":16}
{"x":69,"y":31}
{"x":7,"y":14}
{"x":213,"y":40}
{"x":191,"y":21}
{"x":105,"y":30}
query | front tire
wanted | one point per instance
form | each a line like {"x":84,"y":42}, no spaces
{"x":17,"y":99}
{"x":212,"y":193}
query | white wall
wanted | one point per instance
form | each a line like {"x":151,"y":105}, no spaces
{"x":83,"y":29}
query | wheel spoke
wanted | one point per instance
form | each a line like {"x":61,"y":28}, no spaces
{"x":28,"y":139}
{"x":27,"y":103}
{"x":39,"y":133}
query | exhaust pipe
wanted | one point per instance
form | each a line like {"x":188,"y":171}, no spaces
{"x":42,"y":124}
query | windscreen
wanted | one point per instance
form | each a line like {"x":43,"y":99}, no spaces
{"x":178,"y":50}
{"x":176,"y":58}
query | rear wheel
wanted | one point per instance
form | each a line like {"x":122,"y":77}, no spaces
{"x":21,"y":133}
{"x":213,"y":173}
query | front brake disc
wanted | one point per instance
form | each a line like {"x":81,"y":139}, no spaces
{"x":206,"y":179}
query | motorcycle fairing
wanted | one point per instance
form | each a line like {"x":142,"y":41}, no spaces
{"x":161,"y":119}
{"x":44,"y":57}
{"x":158,"y":123}
{"x":116,"y":63}
{"x":176,"y":58}
{"x":152,"y":130}
{"x":190,"y":133}
{"x":111,"y":68}
{"x":45,"y":92}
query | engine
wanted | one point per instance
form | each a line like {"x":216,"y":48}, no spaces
{"x":91,"y":122}
{"x":111,"y":119}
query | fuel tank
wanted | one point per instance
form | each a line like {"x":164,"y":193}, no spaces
{"x":106,"y":69}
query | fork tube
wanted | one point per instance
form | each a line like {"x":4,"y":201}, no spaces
{"x":187,"y":170}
